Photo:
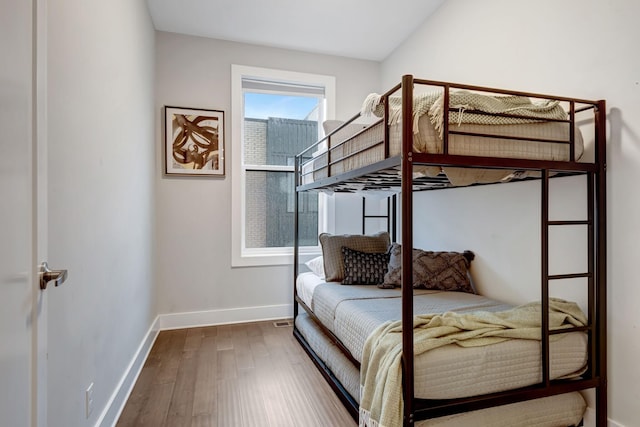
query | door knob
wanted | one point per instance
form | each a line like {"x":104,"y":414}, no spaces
{"x":46,"y":275}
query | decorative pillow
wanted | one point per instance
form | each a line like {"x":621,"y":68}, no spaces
{"x":332,"y":250}
{"x":446,"y":271}
{"x":316,"y":265}
{"x":363,"y":268}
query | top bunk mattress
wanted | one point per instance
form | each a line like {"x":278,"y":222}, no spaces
{"x":479,"y":125}
{"x":367,"y":147}
{"x":353,"y":312}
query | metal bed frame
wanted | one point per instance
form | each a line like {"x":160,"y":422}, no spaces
{"x":596,"y":275}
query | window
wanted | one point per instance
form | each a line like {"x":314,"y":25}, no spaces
{"x":276,"y":114}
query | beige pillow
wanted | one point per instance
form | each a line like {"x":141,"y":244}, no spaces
{"x":332,"y":250}
{"x":446,"y":271}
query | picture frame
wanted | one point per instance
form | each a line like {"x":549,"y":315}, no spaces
{"x":194,"y":142}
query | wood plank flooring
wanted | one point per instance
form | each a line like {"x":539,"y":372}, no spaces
{"x":250,"y":374}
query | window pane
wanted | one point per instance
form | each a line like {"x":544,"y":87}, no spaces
{"x":270,"y":215}
{"x":277,"y":127}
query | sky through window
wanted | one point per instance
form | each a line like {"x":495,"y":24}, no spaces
{"x":265,"y":105}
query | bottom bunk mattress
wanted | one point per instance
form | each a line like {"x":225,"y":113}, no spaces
{"x":353,"y":312}
{"x":562,"y":410}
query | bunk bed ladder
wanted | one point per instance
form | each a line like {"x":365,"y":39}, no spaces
{"x":389,"y":216}
{"x":596,"y":275}
{"x":590,"y":275}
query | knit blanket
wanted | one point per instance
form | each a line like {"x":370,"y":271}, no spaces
{"x":466,"y":103}
{"x":381,"y":403}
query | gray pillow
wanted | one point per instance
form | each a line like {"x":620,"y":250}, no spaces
{"x":446,"y":271}
{"x":332,"y":250}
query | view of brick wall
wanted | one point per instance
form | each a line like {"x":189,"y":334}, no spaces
{"x":255,"y":141}
{"x":255,"y":152}
{"x":269,"y":215}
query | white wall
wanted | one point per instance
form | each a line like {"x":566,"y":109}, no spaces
{"x":18,"y":295}
{"x":194,"y":214}
{"x":101,"y":198}
{"x":584,"y":49}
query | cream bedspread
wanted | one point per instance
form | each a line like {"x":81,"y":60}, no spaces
{"x":510,"y":137}
{"x":380,"y":374}
{"x":463,"y":101}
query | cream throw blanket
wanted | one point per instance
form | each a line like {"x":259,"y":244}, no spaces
{"x":466,"y":102}
{"x":381,"y":402}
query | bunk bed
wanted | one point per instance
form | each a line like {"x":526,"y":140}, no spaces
{"x":457,"y":136}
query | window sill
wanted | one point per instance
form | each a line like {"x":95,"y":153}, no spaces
{"x":279,"y":256}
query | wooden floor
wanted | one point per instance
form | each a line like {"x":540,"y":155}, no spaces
{"x":251,"y":374}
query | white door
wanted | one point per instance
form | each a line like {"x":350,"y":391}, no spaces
{"x":22,"y":304}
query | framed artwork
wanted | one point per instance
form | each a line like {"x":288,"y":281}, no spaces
{"x":194,"y":141}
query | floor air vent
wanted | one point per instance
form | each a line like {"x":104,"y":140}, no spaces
{"x":283,"y":323}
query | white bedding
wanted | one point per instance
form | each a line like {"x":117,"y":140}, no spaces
{"x":353,"y":312}
{"x":306,"y":283}
{"x":563,"y":410}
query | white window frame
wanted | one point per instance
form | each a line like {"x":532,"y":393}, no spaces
{"x":240,"y":255}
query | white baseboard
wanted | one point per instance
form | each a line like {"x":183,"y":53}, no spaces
{"x":590,"y":419}
{"x":114,"y":407}
{"x":221,"y":317}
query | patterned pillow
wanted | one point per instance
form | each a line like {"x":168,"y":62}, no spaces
{"x":446,"y":271}
{"x":332,"y":250}
{"x":363,"y":268}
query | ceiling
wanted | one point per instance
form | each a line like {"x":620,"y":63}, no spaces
{"x":363,"y":29}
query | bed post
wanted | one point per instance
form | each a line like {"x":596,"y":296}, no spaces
{"x":601,"y":260}
{"x":407,"y":245}
{"x":544,"y":258}
{"x":296,"y":177}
